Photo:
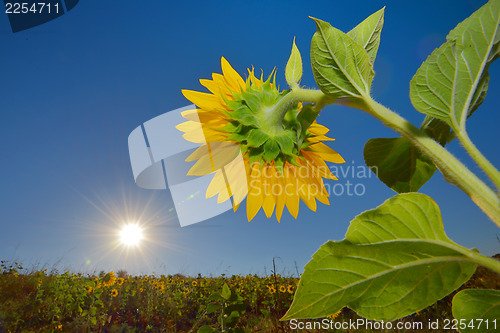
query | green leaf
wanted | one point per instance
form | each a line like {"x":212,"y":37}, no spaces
{"x":341,"y":66}
{"x":367,"y":33}
{"x":452,"y":82}
{"x":226,"y":292}
{"x":293,"y":70}
{"x":394,"y":261}
{"x":398,"y":164}
{"x":438,"y":130}
{"x":271,"y":150}
{"x":265,"y":312}
{"x":478,"y":309}
{"x":285,"y":143}
{"x":256,"y":138}
{"x":215,"y":297}
{"x":206,"y":329}
{"x":212,"y":307}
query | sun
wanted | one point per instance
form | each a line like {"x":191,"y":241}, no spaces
{"x":131,"y":235}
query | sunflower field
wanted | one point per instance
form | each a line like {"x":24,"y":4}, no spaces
{"x":48,"y":301}
{"x":44,"y":301}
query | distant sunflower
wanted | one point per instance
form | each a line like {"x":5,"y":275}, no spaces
{"x":114,"y":292}
{"x":274,"y":160}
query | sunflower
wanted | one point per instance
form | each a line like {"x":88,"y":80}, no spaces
{"x":271,"y":289}
{"x":114,"y":292}
{"x":274,"y":159}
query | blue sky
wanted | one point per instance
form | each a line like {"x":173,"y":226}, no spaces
{"x":74,"y":88}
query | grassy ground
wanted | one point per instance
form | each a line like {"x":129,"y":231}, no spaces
{"x":42,"y":301}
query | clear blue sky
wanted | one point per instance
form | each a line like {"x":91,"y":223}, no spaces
{"x":74,"y":88}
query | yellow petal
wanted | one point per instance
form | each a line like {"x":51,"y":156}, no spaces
{"x":254,"y":197}
{"x":203,"y":100}
{"x":216,"y":185}
{"x":318,"y":164}
{"x":269,"y":203}
{"x":318,"y":129}
{"x":198,"y":153}
{"x":188,"y":126}
{"x":191,"y":115}
{"x":196,"y":136}
{"x":233,"y":79}
{"x":319,"y":138}
{"x":237,"y":178}
{"x":277,"y":190}
{"x":292,"y":197}
{"x":327,"y":153}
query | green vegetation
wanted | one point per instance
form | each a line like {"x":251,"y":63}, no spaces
{"x":48,"y":301}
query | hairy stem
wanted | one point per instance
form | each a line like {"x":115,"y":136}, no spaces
{"x":479,"y":158}
{"x":453,"y":170}
{"x":479,"y":259}
{"x":290,"y":100}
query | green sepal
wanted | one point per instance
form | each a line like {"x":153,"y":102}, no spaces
{"x":243,"y":149}
{"x":235,"y":136}
{"x":279,"y":164}
{"x":256,"y":138}
{"x":285,"y":143}
{"x":293,"y":160}
{"x":245,"y":116}
{"x":230,"y":127}
{"x":233,"y":105}
{"x":254,"y":155}
{"x":252,"y":101}
{"x":271,"y":150}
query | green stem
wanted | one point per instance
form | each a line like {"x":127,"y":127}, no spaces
{"x":479,"y":158}
{"x":479,"y":259}
{"x":453,"y":170}
{"x":290,"y":100}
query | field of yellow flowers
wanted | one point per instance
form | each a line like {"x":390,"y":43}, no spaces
{"x":44,"y":301}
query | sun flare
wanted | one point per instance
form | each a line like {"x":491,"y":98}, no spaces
{"x":131,"y":235}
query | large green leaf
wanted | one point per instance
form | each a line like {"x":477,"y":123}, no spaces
{"x":394,"y":261}
{"x":452,"y":82}
{"x":477,"y":310}
{"x":431,"y":91}
{"x":293,"y":70}
{"x":341,"y":66}
{"x":398,"y":164}
{"x":367,"y":33}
